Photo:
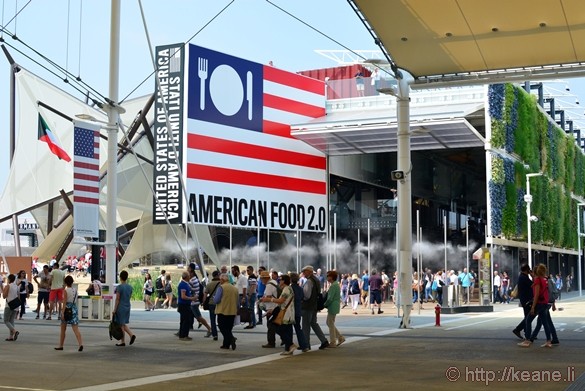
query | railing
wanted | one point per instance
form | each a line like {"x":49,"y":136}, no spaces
{"x":344,"y":95}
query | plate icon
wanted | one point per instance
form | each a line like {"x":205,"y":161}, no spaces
{"x":226,"y":90}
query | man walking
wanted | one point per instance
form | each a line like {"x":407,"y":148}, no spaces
{"x":251,"y":291}
{"x":525,"y":297}
{"x":159,"y":285}
{"x":376,"y":291}
{"x":466,"y":280}
{"x":196,"y":288}
{"x":270,"y":291}
{"x":226,"y":308}
{"x":56,"y":293}
{"x":311,"y":291}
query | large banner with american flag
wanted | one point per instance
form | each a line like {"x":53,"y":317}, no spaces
{"x":242,"y":168}
{"x":86,"y":179}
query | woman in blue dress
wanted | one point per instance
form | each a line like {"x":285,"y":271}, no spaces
{"x":122,"y":308}
{"x":69,"y":301}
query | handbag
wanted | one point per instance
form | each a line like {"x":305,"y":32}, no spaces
{"x":14,"y":303}
{"x":279,"y":318}
{"x":68,"y":311}
{"x":115,"y":329}
{"x":514,"y":293}
{"x":206,"y":301}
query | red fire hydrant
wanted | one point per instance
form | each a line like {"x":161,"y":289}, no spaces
{"x":438,"y":316}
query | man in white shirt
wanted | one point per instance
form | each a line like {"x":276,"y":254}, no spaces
{"x":270,"y":291}
{"x":497,"y":284}
{"x":56,"y":293}
{"x":242,"y":285}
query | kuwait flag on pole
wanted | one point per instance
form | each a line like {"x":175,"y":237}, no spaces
{"x":49,"y":137}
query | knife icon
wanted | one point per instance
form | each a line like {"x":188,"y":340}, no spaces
{"x":249,"y":91}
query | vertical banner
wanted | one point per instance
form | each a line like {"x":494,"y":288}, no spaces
{"x":168,"y":143}
{"x":86,"y":179}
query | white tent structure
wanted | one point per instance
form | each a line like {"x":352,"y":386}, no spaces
{"x":38,"y":178}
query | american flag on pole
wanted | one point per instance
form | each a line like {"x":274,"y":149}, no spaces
{"x":238,"y":139}
{"x":86,"y":179}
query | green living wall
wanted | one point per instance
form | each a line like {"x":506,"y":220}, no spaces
{"x":532,"y":143}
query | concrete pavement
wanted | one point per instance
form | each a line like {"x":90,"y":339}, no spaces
{"x":468,"y":350}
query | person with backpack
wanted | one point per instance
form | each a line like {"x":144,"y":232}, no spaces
{"x":553,"y":295}
{"x":197,"y":288}
{"x":538,"y":308}
{"x":159,"y":286}
{"x":311,"y":291}
{"x":354,"y":293}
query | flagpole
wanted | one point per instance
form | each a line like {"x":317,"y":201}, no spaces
{"x":112,"y":130}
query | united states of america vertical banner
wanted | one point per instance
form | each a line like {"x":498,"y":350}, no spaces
{"x":86,"y":179}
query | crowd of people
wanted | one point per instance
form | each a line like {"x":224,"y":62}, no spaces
{"x":287,"y":302}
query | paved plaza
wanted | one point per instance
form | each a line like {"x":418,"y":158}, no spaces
{"x":472,"y":350}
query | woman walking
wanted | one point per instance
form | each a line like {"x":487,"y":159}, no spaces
{"x":69,"y":305}
{"x":286,"y":303}
{"x":147,"y":290}
{"x":22,"y":291}
{"x":332,"y":305}
{"x":539,"y":308}
{"x":122,"y":310}
{"x":168,"y":292}
{"x":10,"y":292}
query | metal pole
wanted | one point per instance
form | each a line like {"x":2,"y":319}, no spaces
{"x":528,"y":220}
{"x":404,"y":197}
{"x":418,"y":236}
{"x":230,"y":248}
{"x":334,"y":240}
{"x":467,"y":254}
{"x":579,"y":235}
{"x":445,"y":239}
{"x":369,"y":261}
{"x":258,"y":249}
{"x":397,"y":294}
{"x":112,"y":130}
{"x":298,"y":243}
{"x":358,"y":253}
{"x":528,"y":200}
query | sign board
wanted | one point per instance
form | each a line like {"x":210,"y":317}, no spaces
{"x":240,"y":165}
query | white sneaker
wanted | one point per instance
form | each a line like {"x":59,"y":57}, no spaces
{"x":292,"y":348}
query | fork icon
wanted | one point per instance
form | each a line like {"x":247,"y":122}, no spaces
{"x":203,"y":76}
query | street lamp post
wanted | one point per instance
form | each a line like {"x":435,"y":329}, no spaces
{"x":529,"y":217}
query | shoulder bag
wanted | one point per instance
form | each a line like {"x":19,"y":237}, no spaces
{"x":206,"y":301}
{"x":14,"y":303}
{"x":279,"y":318}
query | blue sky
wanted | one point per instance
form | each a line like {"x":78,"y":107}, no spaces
{"x":251,"y":29}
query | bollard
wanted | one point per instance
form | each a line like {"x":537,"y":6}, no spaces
{"x":438,"y":316}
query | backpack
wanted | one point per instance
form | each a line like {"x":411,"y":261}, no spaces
{"x":278,"y":289}
{"x":201,"y":294}
{"x":553,"y":291}
{"x":354,"y":287}
{"x":30,"y":287}
{"x":321,"y":298}
{"x":158,"y":283}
